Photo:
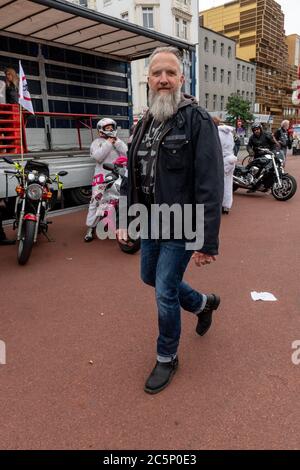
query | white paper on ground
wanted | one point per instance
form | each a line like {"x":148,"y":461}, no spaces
{"x":266,"y":296}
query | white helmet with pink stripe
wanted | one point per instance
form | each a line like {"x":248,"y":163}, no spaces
{"x":107,"y":122}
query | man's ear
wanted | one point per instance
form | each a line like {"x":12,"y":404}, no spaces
{"x":182,"y":79}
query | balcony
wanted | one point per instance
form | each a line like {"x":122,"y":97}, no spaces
{"x":182,"y":7}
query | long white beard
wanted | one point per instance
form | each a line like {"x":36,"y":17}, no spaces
{"x":162,"y":107}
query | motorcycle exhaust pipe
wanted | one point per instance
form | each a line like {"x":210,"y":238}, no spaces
{"x":240,"y":182}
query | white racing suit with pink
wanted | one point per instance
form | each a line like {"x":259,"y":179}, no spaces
{"x":227,"y":144}
{"x":102,"y":151}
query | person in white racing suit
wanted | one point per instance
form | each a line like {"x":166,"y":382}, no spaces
{"x":227,"y":144}
{"x":106,"y":148}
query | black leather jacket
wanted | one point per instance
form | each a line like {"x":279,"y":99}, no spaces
{"x":282,"y":136}
{"x":265,"y":140}
{"x":189,"y":167}
{"x":12,"y":94}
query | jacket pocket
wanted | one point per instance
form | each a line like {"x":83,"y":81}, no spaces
{"x":174,"y":153}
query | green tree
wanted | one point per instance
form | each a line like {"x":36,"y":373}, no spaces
{"x":238,"y":108}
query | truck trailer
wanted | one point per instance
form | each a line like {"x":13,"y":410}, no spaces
{"x":78,"y":68}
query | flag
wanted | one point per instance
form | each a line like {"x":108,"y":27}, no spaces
{"x":24,"y":95}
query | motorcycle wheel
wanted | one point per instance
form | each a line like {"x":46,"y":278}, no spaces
{"x":132,"y":248}
{"x":80,"y":196}
{"x":289,"y":188}
{"x":26,"y":241}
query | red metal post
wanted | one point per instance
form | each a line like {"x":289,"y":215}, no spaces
{"x":78,"y":133}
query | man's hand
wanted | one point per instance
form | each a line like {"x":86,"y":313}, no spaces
{"x":122,"y":235}
{"x":202,"y":259}
{"x":112,"y":140}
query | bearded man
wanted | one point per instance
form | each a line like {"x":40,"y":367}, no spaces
{"x":175,"y":158}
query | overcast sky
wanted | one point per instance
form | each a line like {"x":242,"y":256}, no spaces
{"x":290,"y":8}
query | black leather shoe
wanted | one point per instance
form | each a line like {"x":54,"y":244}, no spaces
{"x":205,"y":317}
{"x":161,"y":376}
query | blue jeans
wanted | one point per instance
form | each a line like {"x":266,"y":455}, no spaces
{"x":163,"y":264}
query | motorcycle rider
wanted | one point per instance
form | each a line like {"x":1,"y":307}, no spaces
{"x":106,"y":148}
{"x":259,"y":139}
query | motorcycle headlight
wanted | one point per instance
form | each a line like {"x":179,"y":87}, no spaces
{"x":42,"y":179}
{"x":34,"y":192}
{"x":31,"y":177}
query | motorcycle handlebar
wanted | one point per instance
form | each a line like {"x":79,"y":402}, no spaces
{"x":109,"y":166}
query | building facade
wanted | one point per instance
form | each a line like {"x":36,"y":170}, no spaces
{"x":91,"y":4}
{"x":221,"y":74}
{"x":293,"y":43}
{"x":176,"y":18}
{"x":257,"y":26}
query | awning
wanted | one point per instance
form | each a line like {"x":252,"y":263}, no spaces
{"x":59,"y":22}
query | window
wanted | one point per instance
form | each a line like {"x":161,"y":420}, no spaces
{"x":238,"y":92}
{"x":243,"y":94}
{"x":229,"y":52}
{"x":83,"y":3}
{"x":222,"y":49}
{"x":148,"y":21}
{"x":222,"y":75}
{"x":214,"y":102}
{"x":243,"y":73}
{"x":214,"y":74}
{"x":222,"y":103}
{"x":252,"y":75}
{"x":247,"y":95}
{"x":251,"y":97}
{"x":177,"y":27}
{"x":184,"y":29}
{"x":229,"y":78}
{"x":247,"y":75}
{"x":206,"y":100}
{"x":124,"y":16}
{"x":206,"y":73}
{"x":206,"y":44}
{"x":214,"y":46}
{"x":238,"y":72}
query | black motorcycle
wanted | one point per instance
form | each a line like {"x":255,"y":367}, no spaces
{"x":264,"y":173}
{"x":34,"y":200}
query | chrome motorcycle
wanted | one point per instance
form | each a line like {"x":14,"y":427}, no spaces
{"x":266,"y":173}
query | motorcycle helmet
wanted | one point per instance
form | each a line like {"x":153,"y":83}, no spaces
{"x":107,"y":122}
{"x":256,"y":125}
